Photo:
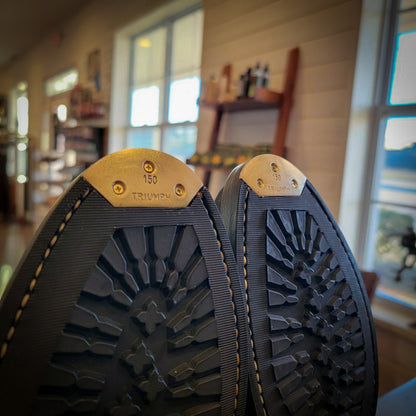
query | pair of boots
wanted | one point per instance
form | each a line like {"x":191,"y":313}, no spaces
{"x":141,"y":296}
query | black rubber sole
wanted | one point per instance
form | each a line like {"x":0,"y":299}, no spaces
{"x":311,"y":330}
{"x":125,"y":311}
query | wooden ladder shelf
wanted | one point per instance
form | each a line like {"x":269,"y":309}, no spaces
{"x":264,"y":99}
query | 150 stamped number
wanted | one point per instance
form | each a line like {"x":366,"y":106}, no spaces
{"x":150,"y":179}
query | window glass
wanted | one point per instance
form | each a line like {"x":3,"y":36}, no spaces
{"x":180,"y":141}
{"x":403,"y":90}
{"x":146,"y":138}
{"x":187,"y":43}
{"x":395,"y":254}
{"x":407,"y":4}
{"x":145,"y":106}
{"x":149,"y":56}
{"x":183,"y":96}
{"x":165,"y":85}
{"x":407,"y":21}
{"x":394,"y":210}
{"x":22,"y":116}
{"x":391,"y":243}
{"x":61,"y":83}
{"x":397,"y":181}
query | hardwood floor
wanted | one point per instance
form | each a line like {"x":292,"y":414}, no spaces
{"x":14,"y":238}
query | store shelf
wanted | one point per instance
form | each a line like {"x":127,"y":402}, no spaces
{"x":247,"y":104}
{"x":264,"y":99}
{"x":86,"y":122}
{"x":227,"y":156}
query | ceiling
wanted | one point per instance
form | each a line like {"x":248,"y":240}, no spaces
{"x":24,"y":22}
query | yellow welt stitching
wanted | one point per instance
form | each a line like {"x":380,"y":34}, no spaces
{"x":32,"y":285}
{"x":39,"y":269}
{"x":25,"y":300}
{"x":33,"y":282}
{"x":10,"y":333}
{"x":3,"y":350}
{"x":18,"y":315}
{"x":53,"y":241}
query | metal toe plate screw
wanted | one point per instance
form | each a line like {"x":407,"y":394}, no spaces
{"x":275,"y":168}
{"x":148,"y":166}
{"x":260,"y":183}
{"x":180,"y":190}
{"x":295,"y":183}
{"x":119,"y":187}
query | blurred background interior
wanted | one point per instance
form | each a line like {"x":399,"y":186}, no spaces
{"x":330,"y":84}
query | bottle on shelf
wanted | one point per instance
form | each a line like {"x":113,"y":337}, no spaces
{"x":266,"y":76}
{"x":253,"y":81}
{"x":247,"y":85}
{"x":259,"y":75}
{"x":241,"y":91}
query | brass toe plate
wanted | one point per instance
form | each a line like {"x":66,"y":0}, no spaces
{"x":143,"y":178}
{"x":271,"y":175}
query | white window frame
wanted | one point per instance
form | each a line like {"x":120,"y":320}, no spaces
{"x":163,"y":123}
{"x":382,"y":110}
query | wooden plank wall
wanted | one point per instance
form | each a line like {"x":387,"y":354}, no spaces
{"x":243,"y":32}
{"x":396,"y":349}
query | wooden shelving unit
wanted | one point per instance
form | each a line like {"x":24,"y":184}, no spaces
{"x":245,"y":104}
{"x":264,"y":100}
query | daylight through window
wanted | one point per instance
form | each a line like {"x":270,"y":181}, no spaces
{"x":165,"y":85}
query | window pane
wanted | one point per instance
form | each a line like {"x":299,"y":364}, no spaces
{"x":145,"y":106}
{"x":149,"y":56}
{"x":183,"y":96}
{"x":61,"y":83}
{"x":398,"y":174}
{"x":407,"y":21}
{"x":144,"y":138}
{"x":406,"y":4}
{"x":394,"y":257}
{"x":180,"y":141}
{"x":187,"y":43}
{"x":403,"y":89}
{"x":22,"y":116}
